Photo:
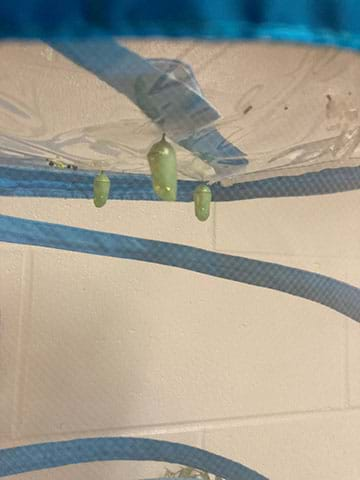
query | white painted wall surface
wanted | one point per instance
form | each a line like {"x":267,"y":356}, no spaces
{"x":96,"y":346}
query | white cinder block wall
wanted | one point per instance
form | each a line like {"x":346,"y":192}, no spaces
{"x":97,"y":346}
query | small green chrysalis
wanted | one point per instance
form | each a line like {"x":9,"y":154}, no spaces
{"x":162,"y":161}
{"x":101,"y":189}
{"x":202,"y":200}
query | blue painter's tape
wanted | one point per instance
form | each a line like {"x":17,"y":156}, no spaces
{"x":178,"y":109}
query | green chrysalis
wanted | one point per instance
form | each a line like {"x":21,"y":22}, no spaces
{"x":202,"y":200}
{"x":162,"y":161}
{"x":101,"y":189}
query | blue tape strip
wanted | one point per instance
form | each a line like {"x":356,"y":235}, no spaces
{"x":49,"y":455}
{"x":332,"y":293}
{"x":179,"y":111}
{"x":31,"y":182}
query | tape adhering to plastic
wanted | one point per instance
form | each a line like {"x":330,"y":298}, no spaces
{"x":179,"y":110}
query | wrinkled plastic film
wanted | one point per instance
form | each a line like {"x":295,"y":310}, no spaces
{"x":236,"y":112}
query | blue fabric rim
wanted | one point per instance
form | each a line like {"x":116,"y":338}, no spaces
{"x":31,"y":182}
{"x":324,"y":22}
{"x":209,"y":30}
{"x":327,"y":291}
{"x":56,"y":454}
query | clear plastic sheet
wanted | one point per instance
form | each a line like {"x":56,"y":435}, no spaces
{"x":290,"y":109}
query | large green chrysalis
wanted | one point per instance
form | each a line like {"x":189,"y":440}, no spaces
{"x":101,"y":189}
{"x":202,"y":200}
{"x":162,"y":161}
